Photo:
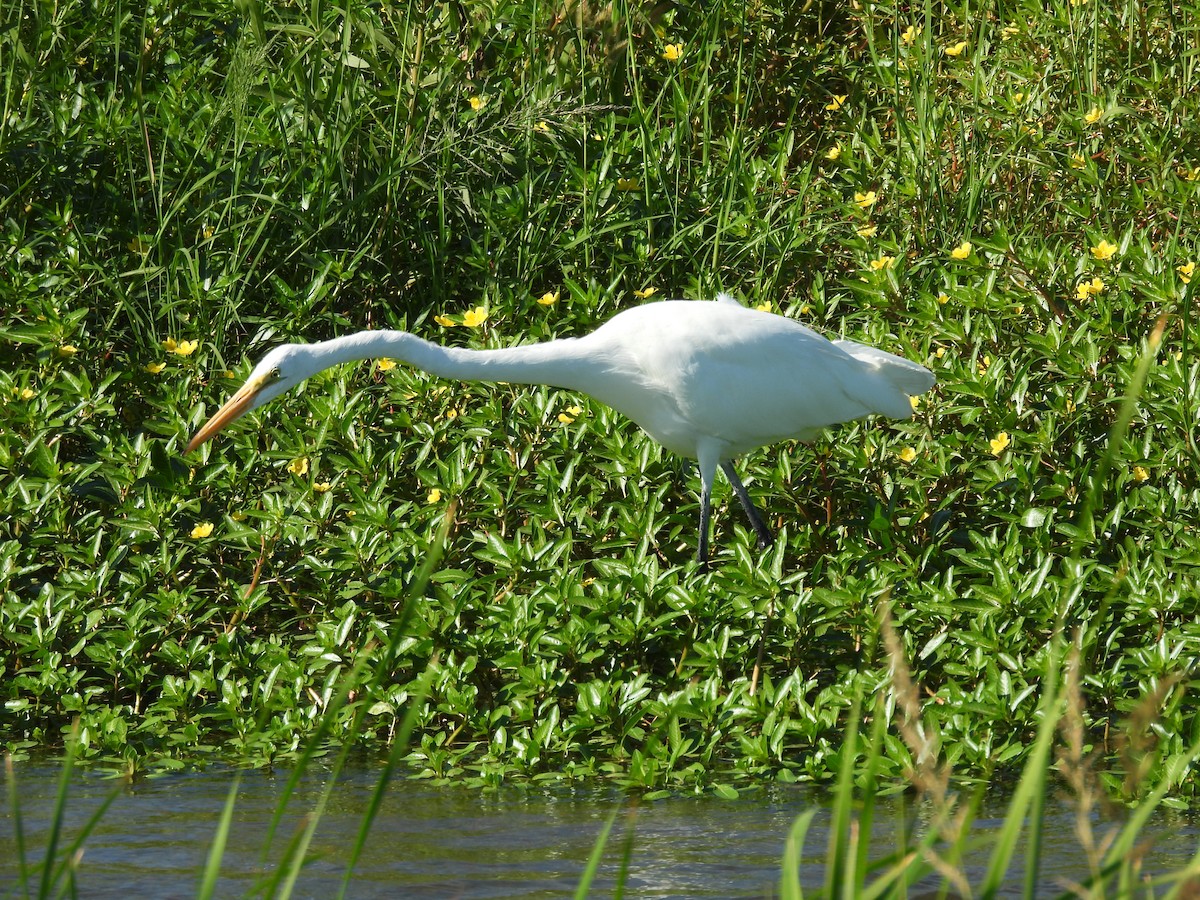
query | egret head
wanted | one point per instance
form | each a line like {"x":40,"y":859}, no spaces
{"x":278,"y":372}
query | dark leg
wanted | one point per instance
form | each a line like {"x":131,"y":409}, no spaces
{"x":765,"y":538}
{"x":705,"y":511}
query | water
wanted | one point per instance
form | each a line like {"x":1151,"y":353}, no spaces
{"x":452,"y":842}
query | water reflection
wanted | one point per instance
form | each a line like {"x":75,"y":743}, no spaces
{"x":440,"y":842}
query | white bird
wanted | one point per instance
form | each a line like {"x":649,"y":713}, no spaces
{"x":709,"y":381}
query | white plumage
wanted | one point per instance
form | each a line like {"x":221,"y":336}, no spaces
{"x":709,"y":381}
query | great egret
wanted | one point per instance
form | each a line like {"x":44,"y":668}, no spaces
{"x":708,"y":381}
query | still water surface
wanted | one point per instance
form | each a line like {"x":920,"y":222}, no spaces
{"x":452,"y":842}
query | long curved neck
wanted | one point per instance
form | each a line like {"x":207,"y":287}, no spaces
{"x":560,"y":363}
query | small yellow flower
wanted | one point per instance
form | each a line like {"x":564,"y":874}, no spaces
{"x":1104,"y":250}
{"x":962,"y":251}
{"x":1088,"y":289}
{"x":140,"y":245}
{"x":911,"y":33}
{"x":445,"y":321}
{"x":298,"y":466}
{"x":983,"y":363}
{"x":865,"y":201}
{"x":203,"y":530}
{"x":915,"y":403}
{"x":155,"y":367}
{"x":385,"y":364}
{"x":867,"y":231}
{"x":908,"y":454}
{"x":940,"y":352}
{"x":1185,"y":272}
{"x":1093,"y":115}
{"x":478,"y":102}
{"x":882,"y":262}
{"x":180,"y":348}
{"x":68,"y":350}
{"x":434,"y":496}
{"x":543,"y":127}
{"x":833,"y":152}
{"x":672,"y":52}
{"x":321,"y":486}
{"x":548,"y":298}
{"x":956,"y":49}
{"x":452,"y":413}
{"x":943,"y":298}
{"x":645,"y":293}
{"x":207,"y":230}
{"x":570,"y":414}
{"x":999,"y":443}
{"x":473,"y":318}
{"x":1140,"y":474}
{"x":1078,"y":161}
{"x":1019,"y":97}
{"x":628,"y":184}
{"x":763,"y":307}
{"x":1187,"y":173}
{"x":1009,"y":31}
{"x":837,"y":101}
{"x":26,"y":394}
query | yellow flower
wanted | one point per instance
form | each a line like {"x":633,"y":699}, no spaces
{"x":68,"y":350}
{"x":940,"y":352}
{"x":140,"y":245}
{"x":672,"y":52}
{"x":1104,"y":250}
{"x":837,"y":101}
{"x":999,"y":443}
{"x":548,"y":299}
{"x":833,"y":152}
{"x":867,"y":231}
{"x":1078,"y":161}
{"x":943,"y":298}
{"x":155,"y":367}
{"x":763,"y":307}
{"x":1188,"y":174}
{"x":908,"y":454}
{"x":911,"y":33}
{"x":473,"y":318}
{"x":298,"y":466}
{"x":478,"y":102}
{"x":181,"y":348}
{"x":628,"y":184}
{"x":1093,"y":115}
{"x":1185,"y":272}
{"x":962,"y":251}
{"x":915,"y":403}
{"x":434,"y":495}
{"x":569,"y":416}
{"x":543,"y":127}
{"x":865,"y":201}
{"x":882,"y":262}
{"x":645,"y":293}
{"x":1140,"y":474}
{"x":445,"y":321}
{"x":452,"y":413}
{"x":983,"y":363}
{"x":1018,"y":97}
{"x":956,"y":49}
{"x":1008,"y":31}
{"x":385,"y":364}
{"x":203,"y":530}
{"x":321,"y":486}
{"x":26,"y":393}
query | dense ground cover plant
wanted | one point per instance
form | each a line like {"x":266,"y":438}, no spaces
{"x":1002,"y":192}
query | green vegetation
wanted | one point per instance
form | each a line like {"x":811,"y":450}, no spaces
{"x":1004,"y":192}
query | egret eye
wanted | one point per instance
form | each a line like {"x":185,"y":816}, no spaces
{"x":276,"y":374}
